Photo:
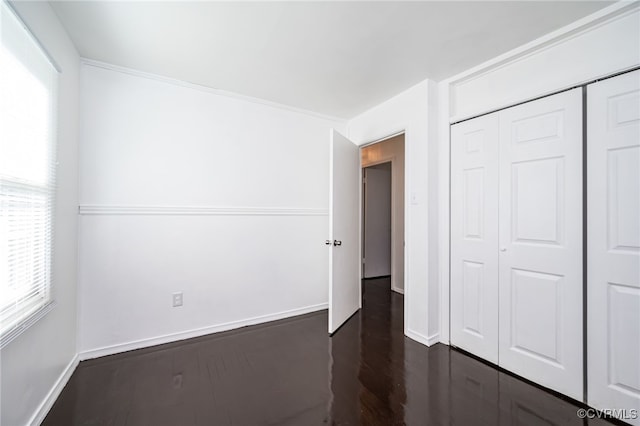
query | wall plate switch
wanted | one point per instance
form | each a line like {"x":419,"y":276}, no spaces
{"x":177,"y":299}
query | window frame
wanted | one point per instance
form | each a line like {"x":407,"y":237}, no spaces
{"x":42,"y":300}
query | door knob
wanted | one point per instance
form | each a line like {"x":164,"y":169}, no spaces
{"x":503,"y":249}
{"x":328,"y":242}
{"x":337,"y":243}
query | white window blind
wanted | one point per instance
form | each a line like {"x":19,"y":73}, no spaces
{"x":28,"y":101}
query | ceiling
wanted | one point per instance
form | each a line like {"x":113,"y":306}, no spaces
{"x":333,"y":58}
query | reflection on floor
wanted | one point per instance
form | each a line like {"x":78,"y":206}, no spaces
{"x":291,"y":373}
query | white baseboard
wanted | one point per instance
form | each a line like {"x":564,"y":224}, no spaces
{"x":197,"y":332}
{"x":397,"y":290}
{"x":54,"y":393}
{"x":433,"y":339}
{"x":421,"y":338}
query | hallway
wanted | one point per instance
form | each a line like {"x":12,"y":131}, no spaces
{"x":290,"y":372}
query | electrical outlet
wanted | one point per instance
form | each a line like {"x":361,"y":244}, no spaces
{"x":177,"y":299}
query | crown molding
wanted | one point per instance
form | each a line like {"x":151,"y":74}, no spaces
{"x":202,"y":88}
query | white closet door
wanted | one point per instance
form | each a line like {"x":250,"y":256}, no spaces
{"x":474,"y":236}
{"x":541,"y":242}
{"x":613,"y":336}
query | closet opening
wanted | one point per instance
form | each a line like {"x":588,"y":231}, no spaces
{"x":382,"y":221}
{"x":520,"y":284}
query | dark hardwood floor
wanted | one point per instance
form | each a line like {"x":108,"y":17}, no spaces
{"x":291,"y":372}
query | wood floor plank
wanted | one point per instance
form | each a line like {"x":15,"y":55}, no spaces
{"x":291,"y":372}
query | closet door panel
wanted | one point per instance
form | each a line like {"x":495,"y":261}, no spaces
{"x":474,"y":236}
{"x":613,"y":271}
{"x":540,"y":253}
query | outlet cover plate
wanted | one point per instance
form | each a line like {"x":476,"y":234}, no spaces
{"x":177,"y":299}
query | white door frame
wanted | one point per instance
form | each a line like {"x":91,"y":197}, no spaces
{"x":393,"y":133}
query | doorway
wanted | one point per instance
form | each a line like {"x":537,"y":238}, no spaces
{"x":345,"y":221}
{"x":376,"y":221}
{"x":383,"y":211}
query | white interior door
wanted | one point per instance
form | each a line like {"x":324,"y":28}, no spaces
{"x":344,"y":228}
{"x":377,"y":222}
{"x":613,"y":271}
{"x":474,"y":236}
{"x":541,"y":242}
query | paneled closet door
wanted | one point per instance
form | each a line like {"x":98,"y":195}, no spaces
{"x":613,"y":257}
{"x":541,"y":242}
{"x":474,"y":236}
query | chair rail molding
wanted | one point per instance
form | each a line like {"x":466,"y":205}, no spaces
{"x":179,"y":210}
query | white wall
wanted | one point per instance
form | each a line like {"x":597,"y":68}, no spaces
{"x":410,"y":111}
{"x":39,"y":361}
{"x":392,"y":149}
{"x":597,"y":46}
{"x":186,"y":190}
{"x":605,"y":43}
{"x":433,"y":167}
